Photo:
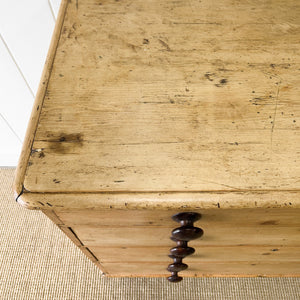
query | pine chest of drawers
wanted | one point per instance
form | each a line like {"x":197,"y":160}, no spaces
{"x":149,"y":109}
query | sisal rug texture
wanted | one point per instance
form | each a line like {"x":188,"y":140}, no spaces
{"x":37,"y":261}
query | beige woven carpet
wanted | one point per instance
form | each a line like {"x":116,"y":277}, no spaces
{"x":38,"y":262}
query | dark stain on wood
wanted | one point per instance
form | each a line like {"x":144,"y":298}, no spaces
{"x":65,"y":143}
{"x":164,"y":44}
{"x":222,"y":82}
{"x":75,"y":235}
{"x":270,"y":222}
{"x":264,"y":100}
{"x":208,"y":76}
{"x":37,"y":153}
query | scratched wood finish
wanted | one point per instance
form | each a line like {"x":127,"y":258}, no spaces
{"x":210,"y":217}
{"x":146,"y":109}
{"x":187,"y":201}
{"x":205,"y":254}
{"x":213,"y":235}
{"x":270,"y":242}
{"x":166,"y":96}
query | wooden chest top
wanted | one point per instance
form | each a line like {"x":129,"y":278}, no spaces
{"x":159,"y":103}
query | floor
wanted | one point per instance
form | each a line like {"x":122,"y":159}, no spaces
{"x":25,"y":32}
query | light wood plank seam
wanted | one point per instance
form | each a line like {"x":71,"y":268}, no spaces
{"x":167,"y":192}
{"x":214,"y":226}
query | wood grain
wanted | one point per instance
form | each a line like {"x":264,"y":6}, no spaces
{"x":18,"y":185}
{"x":180,"y":201}
{"x":213,"y":236}
{"x":205,"y":269}
{"x":145,"y":110}
{"x":203,"y":254}
{"x":176,"y":97}
{"x":133,"y":218}
{"x":245,"y":236}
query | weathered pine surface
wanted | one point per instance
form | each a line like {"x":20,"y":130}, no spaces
{"x":236,"y":242}
{"x":170,"y":96}
{"x":148,"y":108}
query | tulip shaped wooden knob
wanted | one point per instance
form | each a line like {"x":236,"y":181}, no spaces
{"x":181,"y":235}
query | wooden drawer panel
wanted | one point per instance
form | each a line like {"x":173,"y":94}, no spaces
{"x":205,"y":269}
{"x":203,"y":254}
{"x":213,"y":236}
{"x":131,"y":218}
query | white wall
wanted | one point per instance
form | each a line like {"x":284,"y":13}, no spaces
{"x":25,"y":32}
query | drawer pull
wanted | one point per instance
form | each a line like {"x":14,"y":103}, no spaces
{"x":181,"y":236}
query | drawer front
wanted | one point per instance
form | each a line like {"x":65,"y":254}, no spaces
{"x":213,"y":236}
{"x":219,"y":217}
{"x":204,"y":269}
{"x":205,"y":254}
{"x":244,"y":242}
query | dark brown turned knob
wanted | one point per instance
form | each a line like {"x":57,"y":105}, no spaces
{"x":177,"y":267}
{"x":187,"y":233}
{"x":186,"y":217}
{"x":181,"y":251}
{"x":174,"y":277}
{"x":181,"y":236}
